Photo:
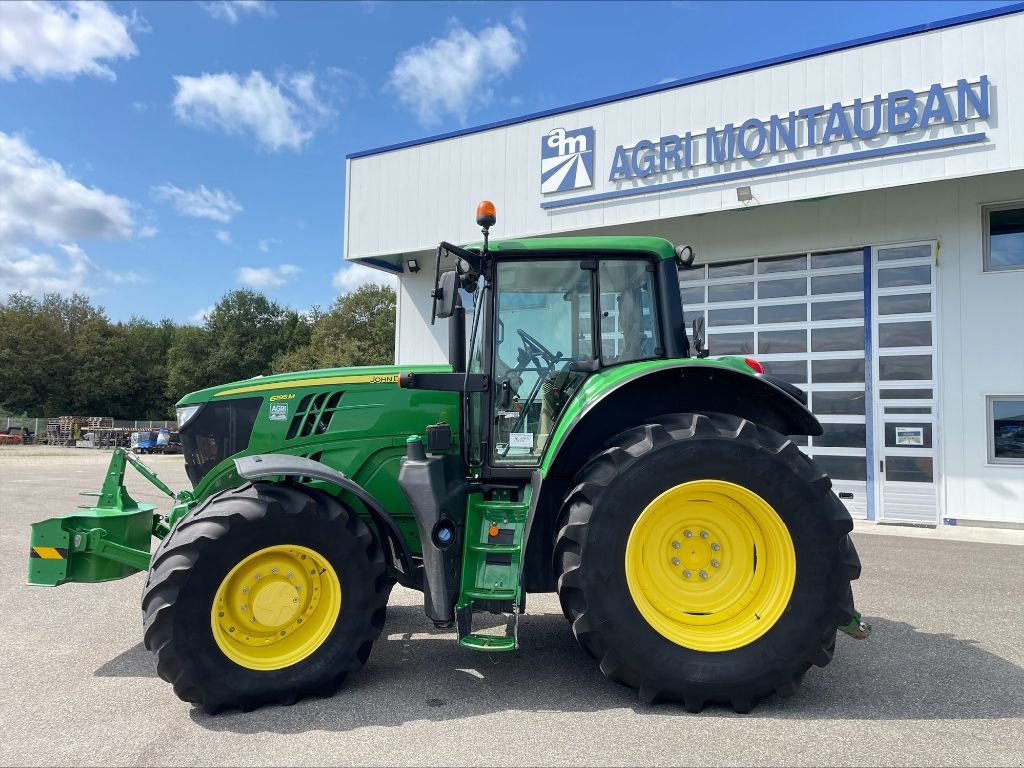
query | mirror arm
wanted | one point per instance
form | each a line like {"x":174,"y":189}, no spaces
{"x":473,"y":259}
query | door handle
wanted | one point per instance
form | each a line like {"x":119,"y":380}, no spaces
{"x":881,"y":466}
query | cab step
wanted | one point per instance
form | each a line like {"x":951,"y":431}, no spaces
{"x":490,"y":643}
{"x":492,"y":569}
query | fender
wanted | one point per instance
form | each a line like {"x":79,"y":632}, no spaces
{"x":611,"y":403}
{"x":679,"y":387}
{"x":283,"y":465}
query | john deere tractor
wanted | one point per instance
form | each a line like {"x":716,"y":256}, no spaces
{"x":576,"y":444}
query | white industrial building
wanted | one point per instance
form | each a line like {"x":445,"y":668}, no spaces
{"x":859,"y":215}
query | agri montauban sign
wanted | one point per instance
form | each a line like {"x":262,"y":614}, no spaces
{"x":755,"y":147}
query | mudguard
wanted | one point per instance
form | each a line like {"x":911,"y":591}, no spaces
{"x":283,"y":465}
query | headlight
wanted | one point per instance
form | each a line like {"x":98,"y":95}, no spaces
{"x":185,"y":414}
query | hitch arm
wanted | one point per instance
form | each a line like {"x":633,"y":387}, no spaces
{"x":95,"y":541}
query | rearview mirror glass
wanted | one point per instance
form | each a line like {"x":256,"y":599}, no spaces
{"x":445,"y":295}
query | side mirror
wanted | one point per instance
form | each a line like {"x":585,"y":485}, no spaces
{"x":698,"y":337}
{"x":685,"y":256}
{"x":445,"y":295}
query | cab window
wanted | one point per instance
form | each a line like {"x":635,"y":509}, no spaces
{"x":629,"y":329}
{"x":543,"y":324}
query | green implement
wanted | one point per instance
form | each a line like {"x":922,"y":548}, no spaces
{"x":107,"y":541}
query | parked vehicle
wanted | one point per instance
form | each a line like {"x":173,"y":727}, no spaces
{"x":698,"y":555}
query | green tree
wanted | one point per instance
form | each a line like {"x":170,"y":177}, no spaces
{"x":35,"y":367}
{"x":359,"y":329}
{"x":188,"y":363}
{"x":143,"y":349}
{"x":97,"y":379}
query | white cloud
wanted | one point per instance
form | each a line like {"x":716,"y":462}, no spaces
{"x":267,"y":277}
{"x":199,"y":316}
{"x":40,"y":202}
{"x":231,"y":10}
{"x":452,"y":74}
{"x":33,"y":273}
{"x":267,"y":243}
{"x":45,"y":39}
{"x":352,"y":276}
{"x":283,"y":114}
{"x":223,"y":235}
{"x":200,"y":203}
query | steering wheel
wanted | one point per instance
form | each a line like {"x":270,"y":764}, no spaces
{"x":534,"y":348}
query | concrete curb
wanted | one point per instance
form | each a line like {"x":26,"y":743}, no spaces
{"x":977,"y":534}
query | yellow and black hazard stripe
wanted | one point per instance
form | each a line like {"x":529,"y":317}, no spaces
{"x":49,"y":553}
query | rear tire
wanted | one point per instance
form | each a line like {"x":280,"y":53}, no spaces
{"x":687,"y":661}
{"x":200,"y":559}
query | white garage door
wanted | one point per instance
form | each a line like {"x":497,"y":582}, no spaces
{"x":802,"y":317}
{"x":905,"y":380}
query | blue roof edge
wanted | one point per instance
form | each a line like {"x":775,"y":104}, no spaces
{"x":929,"y":26}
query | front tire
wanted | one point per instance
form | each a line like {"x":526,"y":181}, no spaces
{"x":704,"y":560}
{"x":265,"y":593}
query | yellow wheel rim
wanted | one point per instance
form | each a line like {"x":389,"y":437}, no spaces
{"x":276,"y":607}
{"x":710,"y":565}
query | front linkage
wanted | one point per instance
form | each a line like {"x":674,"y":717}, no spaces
{"x":107,"y":541}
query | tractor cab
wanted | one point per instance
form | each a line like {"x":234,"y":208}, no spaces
{"x":546,"y":315}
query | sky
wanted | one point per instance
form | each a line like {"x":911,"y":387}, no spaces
{"x":155,"y":155}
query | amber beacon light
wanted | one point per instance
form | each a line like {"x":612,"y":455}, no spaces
{"x":486,"y":214}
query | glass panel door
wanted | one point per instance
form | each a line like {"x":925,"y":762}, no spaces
{"x":905,"y":383}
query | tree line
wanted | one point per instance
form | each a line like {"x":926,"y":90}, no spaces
{"x":63,"y":355}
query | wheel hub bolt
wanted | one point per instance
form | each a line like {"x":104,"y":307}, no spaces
{"x":245,"y":606}
{"x":715,"y":547}
{"x":273,"y":570}
{"x":715,"y":563}
{"x":688,"y":533}
{"x":290,"y":574}
{"x":221,"y":614}
{"x":252,"y":620}
{"x":675,"y":561}
{"x":259,"y":576}
{"x":703,"y":574}
{"x":675,"y":545}
{"x":704,"y":534}
{"x":245,"y":590}
{"x":687,"y":574}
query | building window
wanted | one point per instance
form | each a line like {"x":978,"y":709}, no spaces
{"x":1006,"y":429}
{"x":1004,"y":236}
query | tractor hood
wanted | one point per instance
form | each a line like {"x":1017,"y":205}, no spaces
{"x":295,"y":413}
{"x":286,"y":382}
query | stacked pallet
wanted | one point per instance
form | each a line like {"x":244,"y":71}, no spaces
{"x":64,"y":430}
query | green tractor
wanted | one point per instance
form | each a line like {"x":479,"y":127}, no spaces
{"x":578,"y":445}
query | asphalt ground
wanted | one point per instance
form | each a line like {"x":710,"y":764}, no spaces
{"x":940,"y":682}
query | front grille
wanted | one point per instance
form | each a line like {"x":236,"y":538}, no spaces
{"x":314,"y":414}
{"x":219,"y":430}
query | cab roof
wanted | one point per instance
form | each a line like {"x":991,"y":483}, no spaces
{"x":596,"y":245}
